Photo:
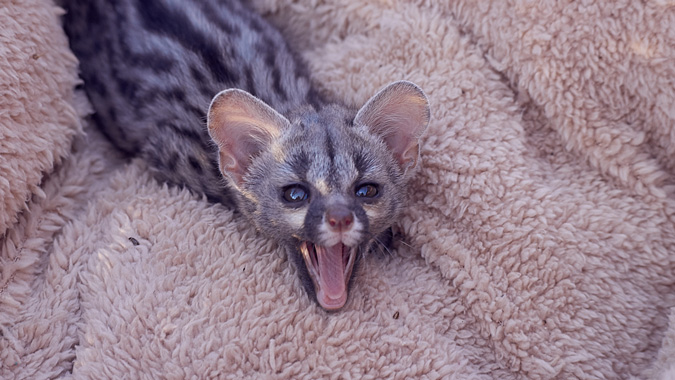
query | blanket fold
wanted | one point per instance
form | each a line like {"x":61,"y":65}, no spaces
{"x":38,"y":106}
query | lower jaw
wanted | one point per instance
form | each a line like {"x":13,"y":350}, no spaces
{"x":328,"y":303}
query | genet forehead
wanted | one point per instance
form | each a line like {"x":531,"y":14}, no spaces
{"x":329,"y":154}
{"x":331,"y":162}
{"x":327,"y":118}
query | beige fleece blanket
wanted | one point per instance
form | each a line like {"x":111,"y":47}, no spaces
{"x":539,"y":237}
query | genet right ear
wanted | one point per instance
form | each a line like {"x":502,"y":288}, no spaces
{"x":399,"y":114}
{"x":242,"y":126}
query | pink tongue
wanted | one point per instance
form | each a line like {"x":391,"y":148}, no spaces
{"x":331,"y":270}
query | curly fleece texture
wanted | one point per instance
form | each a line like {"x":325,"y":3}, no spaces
{"x":539,"y":235}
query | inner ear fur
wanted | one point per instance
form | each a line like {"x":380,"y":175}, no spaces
{"x":398,"y":114}
{"x":242,"y":126}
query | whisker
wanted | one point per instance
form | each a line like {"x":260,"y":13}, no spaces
{"x":401,"y":241}
{"x":383,"y":248}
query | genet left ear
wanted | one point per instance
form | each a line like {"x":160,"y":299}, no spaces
{"x":399,"y":114}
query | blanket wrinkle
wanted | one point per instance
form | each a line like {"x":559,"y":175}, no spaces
{"x":537,"y":243}
{"x":39,"y":110}
{"x":613,"y":50}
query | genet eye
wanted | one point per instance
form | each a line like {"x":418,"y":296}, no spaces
{"x":368,"y":190}
{"x":295,"y":193}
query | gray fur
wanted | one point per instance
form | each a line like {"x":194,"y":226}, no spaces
{"x":151,"y":69}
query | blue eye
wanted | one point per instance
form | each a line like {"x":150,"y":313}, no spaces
{"x":295,"y":193}
{"x":368,"y":190}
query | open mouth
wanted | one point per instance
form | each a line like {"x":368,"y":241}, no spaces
{"x":330,"y":269}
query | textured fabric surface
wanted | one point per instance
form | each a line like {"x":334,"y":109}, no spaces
{"x":538,"y":241}
{"x":37,"y":115}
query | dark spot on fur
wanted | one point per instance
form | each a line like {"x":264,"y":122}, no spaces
{"x":314,"y":99}
{"x":175,"y":93}
{"x":196,"y":165}
{"x":276,"y":80}
{"x":330,"y":149}
{"x":299,"y":163}
{"x":172,"y":163}
{"x":256,"y":24}
{"x":250,"y":82}
{"x":129,"y":89}
{"x":197,"y":75}
{"x":92,"y":83}
{"x":112,"y":114}
{"x":360,"y":162}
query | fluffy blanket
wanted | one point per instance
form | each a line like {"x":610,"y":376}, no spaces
{"x":538,"y":242}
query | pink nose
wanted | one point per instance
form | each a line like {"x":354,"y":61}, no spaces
{"x":339,"y":218}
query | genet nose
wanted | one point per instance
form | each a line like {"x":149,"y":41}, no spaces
{"x":339,"y":218}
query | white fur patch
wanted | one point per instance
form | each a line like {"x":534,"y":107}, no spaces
{"x":296,"y":218}
{"x":370,"y":211}
{"x":322,"y":186}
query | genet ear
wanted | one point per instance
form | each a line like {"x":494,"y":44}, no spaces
{"x":399,"y":114}
{"x":242,"y":126}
